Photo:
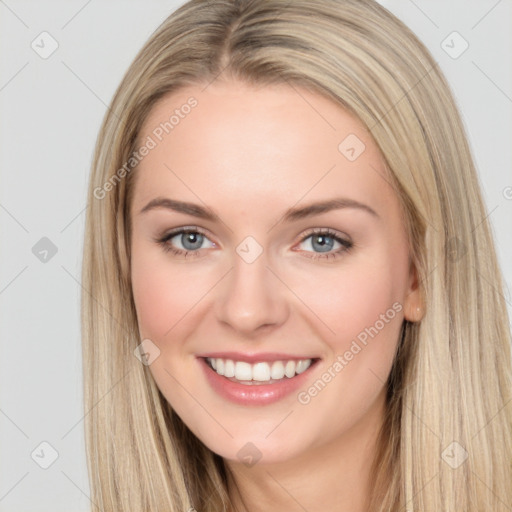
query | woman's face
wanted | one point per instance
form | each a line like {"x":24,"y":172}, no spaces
{"x":295,"y":250}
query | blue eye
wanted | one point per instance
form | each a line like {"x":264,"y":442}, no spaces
{"x":323,"y":241}
{"x":191,"y":240}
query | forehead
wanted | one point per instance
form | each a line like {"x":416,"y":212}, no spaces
{"x":250,"y":146}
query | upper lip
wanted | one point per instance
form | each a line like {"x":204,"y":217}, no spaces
{"x":255,"y":358}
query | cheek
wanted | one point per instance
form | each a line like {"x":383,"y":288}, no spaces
{"x":363,"y":308}
{"x":359,"y":312}
{"x":367,"y":305}
{"x":352,"y":299}
{"x":163,"y":293}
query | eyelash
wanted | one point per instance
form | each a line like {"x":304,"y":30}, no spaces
{"x":347,"y":245}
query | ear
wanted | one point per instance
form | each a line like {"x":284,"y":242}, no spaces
{"x":414,"y":308}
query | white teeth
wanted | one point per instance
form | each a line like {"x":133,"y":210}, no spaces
{"x":261,"y":371}
{"x":277,"y":370}
{"x":303,"y":365}
{"x":229,"y":368}
{"x":243,"y":371}
{"x":289,"y":369}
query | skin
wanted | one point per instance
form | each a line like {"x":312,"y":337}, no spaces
{"x":249,"y":153}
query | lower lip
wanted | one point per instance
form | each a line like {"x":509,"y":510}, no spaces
{"x":254,"y":394}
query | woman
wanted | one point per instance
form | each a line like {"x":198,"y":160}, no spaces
{"x":291,"y":294}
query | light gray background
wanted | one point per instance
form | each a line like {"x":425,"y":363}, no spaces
{"x":51,"y":111}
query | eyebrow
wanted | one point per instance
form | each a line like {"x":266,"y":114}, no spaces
{"x":290,"y":215}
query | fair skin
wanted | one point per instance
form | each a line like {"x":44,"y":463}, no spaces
{"x":249,"y":154}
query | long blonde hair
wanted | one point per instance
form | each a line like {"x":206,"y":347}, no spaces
{"x":446,"y":441}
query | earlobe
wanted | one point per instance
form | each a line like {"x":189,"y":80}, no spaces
{"x":414,"y":309}
{"x":414,"y":314}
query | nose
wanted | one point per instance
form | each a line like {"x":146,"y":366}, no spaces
{"x":252,"y":299}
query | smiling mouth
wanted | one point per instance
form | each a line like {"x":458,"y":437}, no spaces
{"x":259,"y":373}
